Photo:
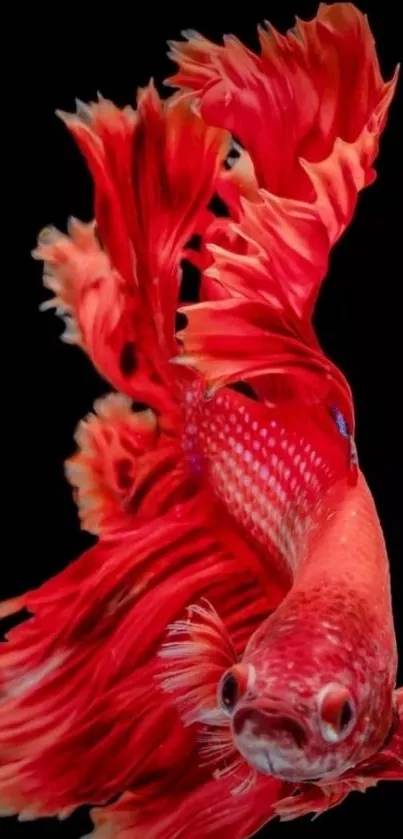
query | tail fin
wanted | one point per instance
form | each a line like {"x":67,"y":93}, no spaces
{"x":309,"y":111}
{"x":210,"y":811}
{"x":117,"y":282}
{"x":287,"y":105}
{"x":81,"y":718}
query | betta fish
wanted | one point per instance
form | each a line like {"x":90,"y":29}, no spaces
{"x":224,"y":653}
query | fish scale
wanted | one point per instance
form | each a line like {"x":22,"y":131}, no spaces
{"x":270,"y":475}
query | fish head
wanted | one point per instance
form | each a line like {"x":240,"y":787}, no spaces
{"x":303,"y":712}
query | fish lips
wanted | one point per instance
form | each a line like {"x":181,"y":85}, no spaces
{"x":261,"y":730}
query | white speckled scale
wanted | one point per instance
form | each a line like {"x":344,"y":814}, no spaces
{"x":270,"y":474}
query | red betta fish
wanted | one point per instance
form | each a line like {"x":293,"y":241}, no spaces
{"x":225,"y":651}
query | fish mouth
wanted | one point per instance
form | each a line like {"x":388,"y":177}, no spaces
{"x":262,"y":733}
{"x":269,"y":722}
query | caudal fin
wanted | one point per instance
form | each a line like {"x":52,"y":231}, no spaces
{"x":116,"y":281}
{"x":309,"y":111}
{"x":81,"y":719}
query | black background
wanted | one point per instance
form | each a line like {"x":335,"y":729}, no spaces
{"x":49,"y":386}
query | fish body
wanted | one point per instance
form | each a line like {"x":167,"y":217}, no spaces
{"x":224,"y":653}
{"x":282,"y":473}
{"x":270,"y":466}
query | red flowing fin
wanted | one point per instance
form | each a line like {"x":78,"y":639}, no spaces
{"x":284,"y":260}
{"x":316,"y":799}
{"x":90,"y":294}
{"x":72,"y":674}
{"x":111,"y":443}
{"x":214,"y":344}
{"x":163,"y":195}
{"x":125,"y":470}
{"x":196,"y":653}
{"x":120,"y":296}
{"x":310,"y":164}
{"x":210,"y":811}
{"x":319,"y":82}
{"x":220,"y":236}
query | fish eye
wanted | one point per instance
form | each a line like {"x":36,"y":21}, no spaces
{"x":346,"y":715}
{"x":337,"y":713}
{"x":231,"y":688}
{"x":228,"y":692}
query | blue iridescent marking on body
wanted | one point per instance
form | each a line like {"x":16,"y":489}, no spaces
{"x":353,"y":452}
{"x":344,"y":430}
{"x":340,"y":421}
